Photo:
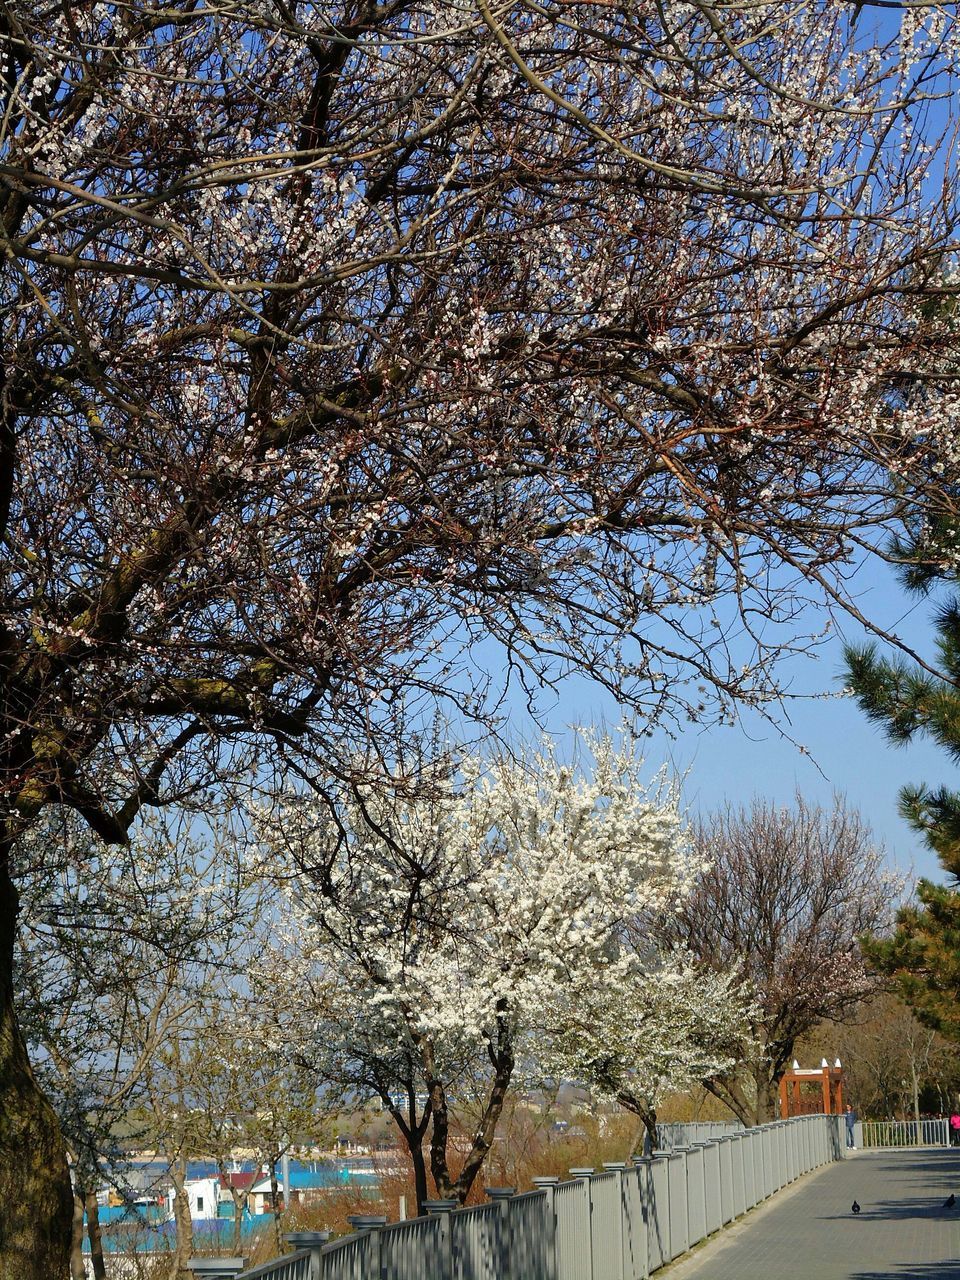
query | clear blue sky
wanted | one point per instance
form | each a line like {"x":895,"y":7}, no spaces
{"x":847,"y":754}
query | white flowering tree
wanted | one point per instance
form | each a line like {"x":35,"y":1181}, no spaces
{"x":665,"y":1024}
{"x":338,"y":337}
{"x":445,"y":938}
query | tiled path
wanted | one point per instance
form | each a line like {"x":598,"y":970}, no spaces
{"x":808,"y":1232}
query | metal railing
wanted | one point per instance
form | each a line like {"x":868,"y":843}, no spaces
{"x":902,"y":1133}
{"x":622,"y":1223}
{"x":681,"y":1133}
{"x":294,"y":1266}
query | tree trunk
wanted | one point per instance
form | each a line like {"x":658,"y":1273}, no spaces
{"x":439,"y":1135}
{"x":181,"y":1217}
{"x":733,"y":1097}
{"x":648,"y":1118}
{"x":637,"y":1142}
{"x":915,"y":1089}
{"x":767,"y":1094}
{"x":36,"y":1198}
{"x":413,"y":1131}
{"x":237,"y":1220}
{"x":486,"y":1130}
{"x":646,"y":1135}
{"x":93,"y":1232}
{"x":275,"y":1196}
{"x":241,"y":1198}
{"x":419,"y":1162}
{"x":650,"y":1124}
{"x":447,"y":1188}
{"x":77,"y":1269}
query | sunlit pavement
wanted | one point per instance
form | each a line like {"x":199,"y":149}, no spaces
{"x":808,"y":1232}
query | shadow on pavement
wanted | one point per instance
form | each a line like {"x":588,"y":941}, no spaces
{"x":932,"y":1210}
{"x":913,"y":1271}
{"x":942,"y":1160}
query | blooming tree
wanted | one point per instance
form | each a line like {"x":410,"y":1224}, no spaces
{"x":785,"y":897}
{"x":445,"y":938}
{"x":336,"y":338}
{"x":666,"y":1023}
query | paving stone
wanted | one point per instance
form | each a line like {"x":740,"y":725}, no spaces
{"x":903,"y":1232}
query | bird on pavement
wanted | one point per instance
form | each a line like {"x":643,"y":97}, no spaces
{"x":950,"y":1201}
{"x":855,"y":1207}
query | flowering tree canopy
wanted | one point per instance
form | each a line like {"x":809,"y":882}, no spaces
{"x":666,"y":1022}
{"x":338,"y":337}
{"x":334,"y":341}
{"x":447,"y":938}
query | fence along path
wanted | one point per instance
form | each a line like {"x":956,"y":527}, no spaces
{"x":903,"y":1133}
{"x":623,"y":1223}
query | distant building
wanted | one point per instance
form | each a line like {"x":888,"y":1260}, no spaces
{"x":210,"y":1198}
{"x":240,"y":1182}
{"x":203,"y":1197}
{"x":306,"y":1186}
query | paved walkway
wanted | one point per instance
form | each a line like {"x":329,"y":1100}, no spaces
{"x":808,"y":1232}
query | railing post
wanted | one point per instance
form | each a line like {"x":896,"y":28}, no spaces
{"x":548,"y":1186}
{"x":583,"y":1174}
{"x":725,"y":1146}
{"x":312,"y":1240}
{"x":696,"y":1194}
{"x":766,"y":1166}
{"x":216,"y":1268}
{"x":635,"y":1183}
{"x":370,"y":1224}
{"x":655,"y":1196}
{"x":755,"y":1167}
{"x":679,"y":1212}
{"x":750,"y":1197}
{"x":442,"y":1209}
{"x":501,"y":1196}
{"x":712,"y":1180}
{"x":618,"y":1167}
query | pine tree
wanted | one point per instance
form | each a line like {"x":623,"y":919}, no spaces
{"x":907,"y":700}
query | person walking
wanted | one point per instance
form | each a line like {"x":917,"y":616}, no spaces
{"x":851,"y":1118}
{"x":955,"y":1130}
